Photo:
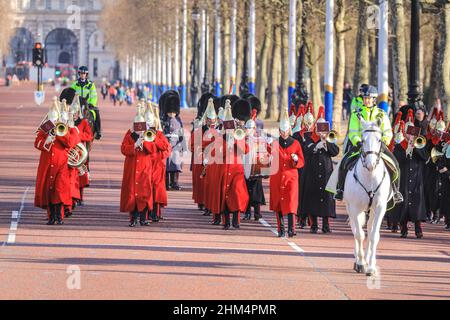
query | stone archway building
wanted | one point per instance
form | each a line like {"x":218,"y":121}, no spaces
{"x":80,"y":17}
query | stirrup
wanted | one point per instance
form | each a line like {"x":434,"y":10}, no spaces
{"x":339,"y":196}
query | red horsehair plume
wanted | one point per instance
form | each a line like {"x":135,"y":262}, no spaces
{"x":254,"y":113}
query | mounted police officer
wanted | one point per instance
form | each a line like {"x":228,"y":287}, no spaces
{"x":88,"y":95}
{"x":369,"y":112}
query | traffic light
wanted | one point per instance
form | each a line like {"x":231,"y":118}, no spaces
{"x":38,"y":55}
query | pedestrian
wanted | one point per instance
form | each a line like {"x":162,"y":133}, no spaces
{"x":113,"y":95}
{"x":121,"y":95}
{"x":347,"y":101}
{"x":104,"y":91}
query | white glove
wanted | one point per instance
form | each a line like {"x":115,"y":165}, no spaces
{"x":49,"y":140}
{"x":320,"y":145}
{"x":269,"y":140}
{"x":294,"y":157}
{"x":205,"y":162}
{"x":139,"y":143}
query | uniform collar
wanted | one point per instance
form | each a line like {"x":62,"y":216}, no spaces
{"x":286,"y":143}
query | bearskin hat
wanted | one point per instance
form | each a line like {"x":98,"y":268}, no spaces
{"x":242,"y":110}
{"x":170,"y":102}
{"x":67,"y":94}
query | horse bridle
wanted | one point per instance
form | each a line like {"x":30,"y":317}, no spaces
{"x":371,"y":194}
{"x":364,"y":154}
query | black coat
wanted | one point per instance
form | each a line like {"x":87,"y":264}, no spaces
{"x":301,"y":140}
{"x":256,"y":192}
{"x":314,"y":200}
{"x":431,"y":183}
{"x":411,"y":186}
{"x":444,"y":190}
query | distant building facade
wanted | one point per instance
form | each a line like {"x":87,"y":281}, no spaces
{"x":69,"y":31}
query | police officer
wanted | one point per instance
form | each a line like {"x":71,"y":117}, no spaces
{"x":88,"y":94}
{"x":369,"y":112}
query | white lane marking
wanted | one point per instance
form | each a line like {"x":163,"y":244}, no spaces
{"x":267,"y":225}
{"x":296,"y":247}
{"x":291,"y":244}
{"x":15,"y":218}
{"x":11,"y":238}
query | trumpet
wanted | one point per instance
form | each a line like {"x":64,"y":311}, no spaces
{"x":60,"y":130}
{"x":436,"y":155}
{"x":332,"y":137}
{"x":149,"y":135}
{"x":420,"y":142}
{"x":239,"y":134}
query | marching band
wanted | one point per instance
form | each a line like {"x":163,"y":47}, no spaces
{"x":233,"y":156}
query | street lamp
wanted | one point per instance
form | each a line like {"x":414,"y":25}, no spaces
{"x":194,"y":90}
{"x":414,"y":93}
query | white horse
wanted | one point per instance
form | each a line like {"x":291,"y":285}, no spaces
{"x":368,"y":190}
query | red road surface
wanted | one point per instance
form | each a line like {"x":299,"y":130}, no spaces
{"x":183,"y":257}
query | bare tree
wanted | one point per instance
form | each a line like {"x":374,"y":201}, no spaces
{"x":400,"y":71}
{"x":340,"y":64}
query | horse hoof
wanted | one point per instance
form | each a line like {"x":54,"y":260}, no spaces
{"x":371,"y":272}
{"x":359,"y":268}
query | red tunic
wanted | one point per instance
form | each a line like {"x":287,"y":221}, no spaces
{"x":234,"y":192}
{"x":163,"y":150}
{"x":86,"y":136}
{"x":215,"y":173}
{"x":198,"y":182}
{"x":53,"y":174}
{"x":136,"y":192}
{"x":284,"y":183}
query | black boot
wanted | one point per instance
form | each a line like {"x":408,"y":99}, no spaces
{"x":314,"y":225}
{"x":257,"y":209}
{"x":326,"y":225}
{"x":134,"y":219}
{"x":227,"y":221}
{"x":217,"y":220}
{"x":176,"y":178}
{"x":167,"y":181}
{"x":419,"y":232}
{"x":154,"y":213}
{"x":236,"y":220}
{"x":248,"y":213}
{"x":291,"y":225}
{"x":52,"y":219}
{"x":58,"y":213}
{"x":207,"y":213}
{"x":143,"y":219}
{"x":281,"y":230}
{"x":404,"y":230}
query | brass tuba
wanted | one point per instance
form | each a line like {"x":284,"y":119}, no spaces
{"x":239,"y":134}
{"x":436,"y":155}
{"x":77,"y":156}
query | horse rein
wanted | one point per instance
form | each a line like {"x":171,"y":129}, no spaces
{"x":370,"y":194}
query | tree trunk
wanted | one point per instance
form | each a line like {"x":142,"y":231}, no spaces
{"x":445,"y":60}
{"x":314,"y":65}
{"x":284,"y":99}
{"x":373,"y":58}
{"x":262,"y":84}
{"x":225,"y":47}
{"x":435,"y":72}
{"x":362,"y":50}
{"x":340,"y":65}
{"x":275,"y":70}
{"x":399,"y":51}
